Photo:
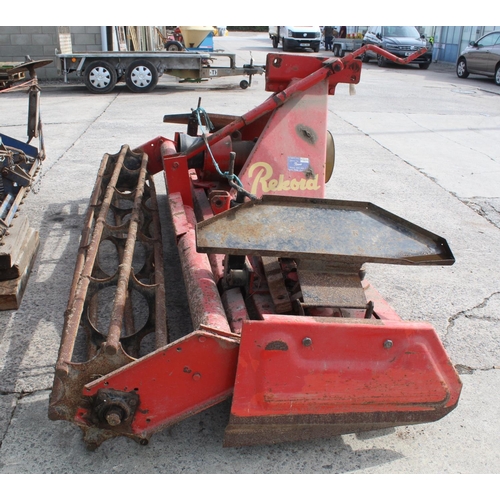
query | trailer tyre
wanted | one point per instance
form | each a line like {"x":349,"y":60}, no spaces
{"x":100,"y":77}
{"x":141,"y":76}
{"x":174,"y":46}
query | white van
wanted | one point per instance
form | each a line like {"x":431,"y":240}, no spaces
{"x":296,"y":37}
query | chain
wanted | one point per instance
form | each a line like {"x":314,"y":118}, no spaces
{"x":232,"y":178}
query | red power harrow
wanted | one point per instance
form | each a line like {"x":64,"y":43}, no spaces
{"x":284,"y":321}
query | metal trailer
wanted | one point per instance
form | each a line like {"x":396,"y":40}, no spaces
{"x":140,"y":70}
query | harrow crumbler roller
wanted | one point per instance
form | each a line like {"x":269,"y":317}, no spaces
{"x":117,"y":297}
{"x":284,"y":321}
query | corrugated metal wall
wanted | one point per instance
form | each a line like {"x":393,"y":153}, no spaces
{"x":449,"y":41}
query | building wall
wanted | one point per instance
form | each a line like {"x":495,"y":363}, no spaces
{"x":41,"y":42}
{"x":449,"y":41}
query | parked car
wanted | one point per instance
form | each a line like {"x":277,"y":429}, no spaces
{"x":481,"y":58}
{"x":398,"y":40}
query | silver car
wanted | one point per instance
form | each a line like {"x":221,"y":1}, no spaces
{"x":481,"y":58}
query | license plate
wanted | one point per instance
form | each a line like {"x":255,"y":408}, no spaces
{"x":305,"y":44}
{"x":407,"y":54}
{"x":212,"y":72}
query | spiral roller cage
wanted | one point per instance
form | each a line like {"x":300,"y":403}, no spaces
{"x":141,"y":288}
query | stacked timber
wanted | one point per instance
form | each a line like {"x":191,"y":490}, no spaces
{"x":18,"y":249}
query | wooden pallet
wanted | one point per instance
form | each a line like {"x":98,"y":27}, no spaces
{"x":9,"y":74}
{"x":13,"y":72}
{"x":17,"y":256}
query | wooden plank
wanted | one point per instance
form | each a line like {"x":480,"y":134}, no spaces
{"x":29,"y":245}
{"x":133,"y":37}
{"x":12,"y":291}
{"x":120,"y":35}
{"x":12,"y":243}
{"x":65,"y":43}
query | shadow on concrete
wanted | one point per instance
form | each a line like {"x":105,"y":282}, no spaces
{"x":194,"y":446}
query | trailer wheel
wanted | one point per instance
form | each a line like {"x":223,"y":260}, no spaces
{"x":174,"y":46}
{"x":100,"y":77}
{"x":141,"y":76}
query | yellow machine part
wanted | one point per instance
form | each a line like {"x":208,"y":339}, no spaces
{"x":194,"y":35}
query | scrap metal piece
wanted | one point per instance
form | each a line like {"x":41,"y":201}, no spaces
{"x":19,"y":164}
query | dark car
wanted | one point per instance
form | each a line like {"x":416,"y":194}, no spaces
{"x":481,"y":58}
{"x":398,"y":40}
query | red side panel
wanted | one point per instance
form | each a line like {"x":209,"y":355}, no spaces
{"x":300,"y":366}
{"x":300,"y":378}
